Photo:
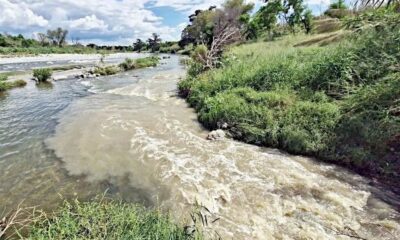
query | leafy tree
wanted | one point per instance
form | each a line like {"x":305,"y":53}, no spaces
{"x":3,"y":42}
{"x":154,"y":42}
{"x":307,"y":20}
{"x":340,"y":4}
{"x":138,"y":45}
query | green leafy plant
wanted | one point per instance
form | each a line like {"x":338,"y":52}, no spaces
{"x":42,"y":74}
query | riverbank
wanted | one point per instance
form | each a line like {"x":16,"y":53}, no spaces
{"x":336,"y":99}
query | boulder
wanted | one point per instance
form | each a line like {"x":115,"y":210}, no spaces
{"x":216,"y":135}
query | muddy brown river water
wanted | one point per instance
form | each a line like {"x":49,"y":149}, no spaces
{"x":130,"y":135}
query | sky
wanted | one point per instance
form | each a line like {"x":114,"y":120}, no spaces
{"x":109,"y":22}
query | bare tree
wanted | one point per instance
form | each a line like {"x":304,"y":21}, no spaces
{"x":42,"y":38}
{"x":76,"y":41}
{"x":58,"y":36}
{"x":211,"y":58}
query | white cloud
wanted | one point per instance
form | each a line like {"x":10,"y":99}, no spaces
{"x":118,"y":21}
{"x":19,"y":16}
{"x":89,"y":23}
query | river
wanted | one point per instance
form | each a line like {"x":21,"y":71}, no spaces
{"x":129,"y":135}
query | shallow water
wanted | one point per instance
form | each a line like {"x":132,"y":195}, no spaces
{"x":13,"y":64}
{"x":129,"y":134}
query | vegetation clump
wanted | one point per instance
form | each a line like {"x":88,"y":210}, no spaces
{"x":106,"y":71}
{"x":42,"y":74}
{"x":107,"y":220}
{"x":131,"y":64}
{"x":6,"y":85}
{"x":127,"y":65}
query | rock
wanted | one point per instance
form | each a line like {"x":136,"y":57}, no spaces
{"x":190,"y":230}
{"x":216,"y":135}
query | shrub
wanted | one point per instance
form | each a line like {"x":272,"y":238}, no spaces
{"x":128,"y":64}
{"x":42,"y":74}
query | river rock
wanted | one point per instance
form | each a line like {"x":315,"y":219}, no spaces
{"x":216,"y":135}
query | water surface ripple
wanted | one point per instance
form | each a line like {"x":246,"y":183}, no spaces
{"x":132,"y":135}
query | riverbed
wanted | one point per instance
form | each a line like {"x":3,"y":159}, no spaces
{"x":130,"y":136}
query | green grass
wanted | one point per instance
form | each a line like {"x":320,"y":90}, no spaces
{"x":7,"y":85}
{"x":107,"y":70}
{"x":339,"y":102}
{"x":107,"y":220}
{"x":127,"y":65}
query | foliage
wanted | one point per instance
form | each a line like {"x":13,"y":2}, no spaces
{"x":339,"y":103}
{"x":107,"y":70}
{"x":57,"y":37}
{"x":130,"y":64}
{"x":107,"y":220}
{"x":6,"y":85}
{"x":42,"y":74}
{"x":139,"y":45}
{"x":170,"y":47}
{"x":205,"y":25}
{"x":154,"y":42}
{"x":147,"y":62}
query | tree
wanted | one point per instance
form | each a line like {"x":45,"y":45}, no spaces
{"x":340,"y":4}
{"x":154,"y":42}
{"x":58,"y":36}
{"x":307,"y":19}
{"x":138,"y":45}
{"x":206,"y":24}
{"x":42,"y":39}
{"x":293,"y":12}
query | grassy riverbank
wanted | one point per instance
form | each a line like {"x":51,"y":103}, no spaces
{"x":336,"y":101}
{"x":107,"y":220}
{"x":97,"y":219}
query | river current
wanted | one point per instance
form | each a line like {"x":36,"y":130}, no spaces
{"x":130,"y":136}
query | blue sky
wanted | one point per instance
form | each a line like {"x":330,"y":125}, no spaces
{"x":108,"y":21}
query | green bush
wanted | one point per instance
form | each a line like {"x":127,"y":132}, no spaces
{"x":42,"y":74}
{"x":107,"y":220}
{"x":128,"y":64}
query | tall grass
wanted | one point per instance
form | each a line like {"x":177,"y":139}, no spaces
{"x":6,"y":85}
{"x":107,"y":220}
{"x":339,"y":102}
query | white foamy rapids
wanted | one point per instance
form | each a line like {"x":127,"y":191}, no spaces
{"x":256,"y":193}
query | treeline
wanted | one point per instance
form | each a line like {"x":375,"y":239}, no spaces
{"x":52,"y":41}
{"x":155,"y":44}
